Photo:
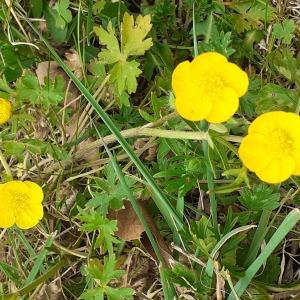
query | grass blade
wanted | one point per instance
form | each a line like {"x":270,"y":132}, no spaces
{"x":38,"y":264}
{"x":285,"y":227}
{"x":259,"y":236}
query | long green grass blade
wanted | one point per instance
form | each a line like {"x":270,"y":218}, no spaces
{"x":163,"y":204}
{"x":259,"y":236}
{"x":285,"y":227}
{"x":38,"y":264}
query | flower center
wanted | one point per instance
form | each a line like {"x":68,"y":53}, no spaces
{"x":211,"y":85}
{"x":282,"y":143}
{"x":20,"y":200}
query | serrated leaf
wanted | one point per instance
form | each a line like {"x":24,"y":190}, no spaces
{"x":284,"y":31}
{"x":275,"y":97}
{"x":108,"y":38}
{"x":29,"y":90}
{"x":124,"y":74}
{"x":134,"y":33}
{"x":103,"y":273}
{"x":251,"y":14}
{"x":288,"y":64}
{"x":261,"y":197}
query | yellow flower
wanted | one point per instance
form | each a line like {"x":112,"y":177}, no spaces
{"x":208,"y":88}
{"x":5,"y":110}
{"x":20,"y":204}
{"x":272,"y":147}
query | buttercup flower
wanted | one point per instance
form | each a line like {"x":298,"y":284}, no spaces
{"x":5,"y":110}
{"x":272,"y":147}
{"x":208,"y":88}
{"x":20,"y":204}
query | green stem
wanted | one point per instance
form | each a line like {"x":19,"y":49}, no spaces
{"x":210,"y":178}
{"x":5,"y":165}
{"x":26,"y":290}
{"x":154,"y":132}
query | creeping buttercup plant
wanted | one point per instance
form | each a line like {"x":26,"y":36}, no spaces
{"x":149,"y":150}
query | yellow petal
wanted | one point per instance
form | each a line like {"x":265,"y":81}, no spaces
{"x":182,"y":79}
{"x":278,"y":170}
{"x":5,"y":110}
{"x":29,"y":217}
{"x":252,"y":152}
{"x":224,"y":107}
{"x":193,"y":108}
{"x":296,"y":156}
{"x":208,"y":61}
{"x":290,"y":123}
{"x":266,"y":123}
{"x":235,"y":78}
{"x":7,"y":216}
{"x":36,"y":191}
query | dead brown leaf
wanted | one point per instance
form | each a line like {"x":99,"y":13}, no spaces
{"x":129,"y":226}
{"x":48,"y":68}
{"x":74,"y":63}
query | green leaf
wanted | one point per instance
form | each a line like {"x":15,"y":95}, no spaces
{"x":261,"y":197}
{"x":13,"y":148}
{"x":113,"y":192}
{"x":287,"y":64}
{"x":108,"y":38}
{"x":94,"y":221}
{"x":251,"y":14}
{"x":275,"y":97}
{"x":271,"y":270}
{"x":98,"y":6}
{"x":134,"y":33}
{"x":93,"y":294}
{"x":29,"y":90}
{"x":64,"y":15}
{"x":37,"y":8}
{"x":59,"y":34}
{"x":119,"y":294}
{"x":124,"y":74}
{"x":284,"y":31}
{"x":103,"y":274}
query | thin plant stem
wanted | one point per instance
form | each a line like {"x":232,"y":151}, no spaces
{"x":5,"y":165}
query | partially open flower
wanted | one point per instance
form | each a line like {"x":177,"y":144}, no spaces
{"x":20,"y":204}
{"x":208,"y":88}
{"x":5,"y":110}
{"x":272,"y":147}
